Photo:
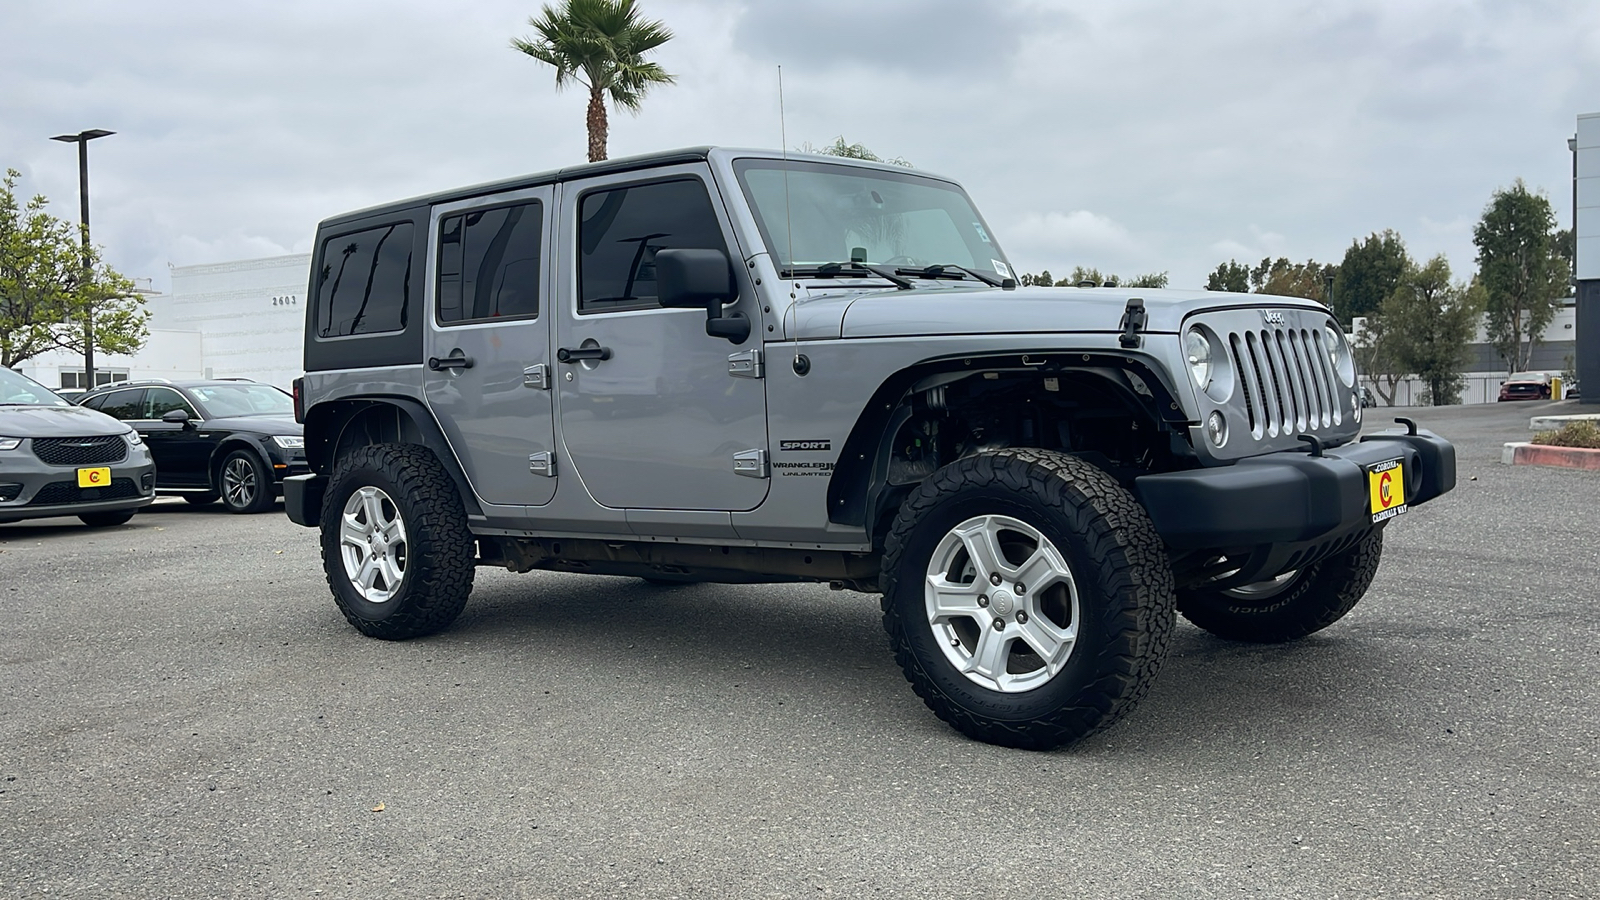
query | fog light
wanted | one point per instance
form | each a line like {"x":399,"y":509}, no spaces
{"x":147,"y":482}
{"x":1357,"y":410}
{"x":1217,"y":429}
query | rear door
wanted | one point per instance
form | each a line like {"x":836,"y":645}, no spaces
{"x":488,"y":343}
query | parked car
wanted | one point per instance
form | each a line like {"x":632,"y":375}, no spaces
{"x":59,"y":460}
{"x":71,"y":395}
{"x":1525,"y":386}
{"x":733,"y":366}
{"x":216,"y":439}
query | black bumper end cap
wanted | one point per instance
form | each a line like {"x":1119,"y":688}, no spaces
{"x":302,"y":498}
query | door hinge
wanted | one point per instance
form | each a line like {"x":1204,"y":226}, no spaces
{"x":536,"y":377}
{"x":751,"y":464}
{"x":542,"y":464}
{"x":747,"y":364}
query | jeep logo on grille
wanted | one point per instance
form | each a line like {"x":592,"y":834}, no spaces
{"x":1271,"y":317}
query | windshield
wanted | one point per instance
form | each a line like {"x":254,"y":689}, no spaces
{"x":223,"y":400}
{"x":822,"y":213}
{"x":24,"y":391}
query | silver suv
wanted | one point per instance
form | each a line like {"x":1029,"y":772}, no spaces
{"x":738,"y":366}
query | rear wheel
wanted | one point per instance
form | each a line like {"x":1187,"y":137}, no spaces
{"x":395,"y":544}
{"x":1027,"y":597}
{"x":1292,"y":605}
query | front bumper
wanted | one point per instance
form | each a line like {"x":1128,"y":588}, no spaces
{"x":1284,"y":510}
{"x":31,"y":489}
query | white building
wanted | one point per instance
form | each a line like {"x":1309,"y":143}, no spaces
{"x":240,"y":319}
{"x":249,"y":314}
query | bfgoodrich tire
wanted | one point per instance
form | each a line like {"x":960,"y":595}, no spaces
{"x":1027,"y":597}
{"x":1292,"y":606}
{"x":395,"y":545}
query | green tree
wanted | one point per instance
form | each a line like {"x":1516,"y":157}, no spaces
{"x":1374,"y":350}
{"x":1080,"y":275}
{"x":1521,"y":268}
{"x":1430,"y":320}
{"x":1148,"y":280}
{"x":1369,"y":273}
{"x":47,"y":290}
{"x":842,"y":148}
{"x":1042,"y":279}
{"x":1230,"y":276}
{"x":600,"y":44}
{"x":1286,"y":279}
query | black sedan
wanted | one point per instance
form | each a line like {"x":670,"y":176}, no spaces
{"x":228,"y":440}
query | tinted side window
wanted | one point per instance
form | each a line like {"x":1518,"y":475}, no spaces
{"x":489,"y":263}
{"x":364,"y":286}
{"x":158,"y":401}
{"x":621,"y":229}
{"x":123,"y":405}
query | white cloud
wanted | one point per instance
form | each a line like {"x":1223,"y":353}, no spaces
{"x":1144,"y":135}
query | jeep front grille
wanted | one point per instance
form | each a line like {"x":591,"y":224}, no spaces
{"x":1288,"y":381}
{"x":81,"y":451}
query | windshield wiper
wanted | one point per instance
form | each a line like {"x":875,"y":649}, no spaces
{"x":837,"y":269}
{"x":940,"y":270}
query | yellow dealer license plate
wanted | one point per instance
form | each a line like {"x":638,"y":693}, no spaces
{"x":1386,"y":482}
{"x":88,"y":478}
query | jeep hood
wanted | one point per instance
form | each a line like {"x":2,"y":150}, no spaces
{"x":942,"y":311}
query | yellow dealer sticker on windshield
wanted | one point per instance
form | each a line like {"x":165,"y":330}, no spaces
{"x":1387,"y":485}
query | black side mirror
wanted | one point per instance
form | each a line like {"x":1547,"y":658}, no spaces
{"x":701,"y":278}
{"x":176,"y":416}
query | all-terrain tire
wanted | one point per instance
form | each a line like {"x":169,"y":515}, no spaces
{"x":438,"y":561}
{"x":1124,"y":592}
{"x":1317,"y":596}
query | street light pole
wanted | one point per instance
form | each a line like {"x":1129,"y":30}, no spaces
{"x":82,"y":139}
{"x":1572,"y":144}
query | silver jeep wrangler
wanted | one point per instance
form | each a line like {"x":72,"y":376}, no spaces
{"x":740,"y":366}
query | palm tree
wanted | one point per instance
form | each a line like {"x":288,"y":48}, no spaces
{"x":601,"y":45}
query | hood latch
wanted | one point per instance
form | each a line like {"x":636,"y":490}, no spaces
{"x":1133,"y":319}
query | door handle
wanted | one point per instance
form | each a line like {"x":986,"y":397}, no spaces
{"x":454,"y":361}
{"x":566,"y":355}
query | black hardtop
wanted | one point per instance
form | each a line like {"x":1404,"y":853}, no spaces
{"x":566,"y":173}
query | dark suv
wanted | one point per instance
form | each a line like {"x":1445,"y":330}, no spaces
{"x":233,"y":440}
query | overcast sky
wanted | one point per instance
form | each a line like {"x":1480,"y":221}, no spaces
{"x":1134,"y":136}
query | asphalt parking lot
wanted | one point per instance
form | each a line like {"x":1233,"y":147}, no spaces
{"x":184,"y":713}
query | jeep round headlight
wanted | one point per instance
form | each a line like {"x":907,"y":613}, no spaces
{"x":1339,"y":355}
{"x":1197,"y":353}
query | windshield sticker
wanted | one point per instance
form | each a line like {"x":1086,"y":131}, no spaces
{"x":978,"y":227}
{"x":1000,"y":268}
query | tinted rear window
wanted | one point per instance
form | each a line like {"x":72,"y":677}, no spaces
{"x":364,"y":285}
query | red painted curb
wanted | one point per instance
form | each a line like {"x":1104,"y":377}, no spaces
{"x":1565,"y":457}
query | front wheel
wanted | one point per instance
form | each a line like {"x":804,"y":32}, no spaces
{"x":1027,"y":597}
{"x":395,"y":544}
{"x":1292,"y":605}
{"x":246,"y":482}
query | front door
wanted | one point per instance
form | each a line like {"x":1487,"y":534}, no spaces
{"x":488,"y":345}
{"x":658,"y":422}
{"x":182,"y":452}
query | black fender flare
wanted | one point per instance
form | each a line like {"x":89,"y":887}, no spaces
{"x":327,"y":425}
